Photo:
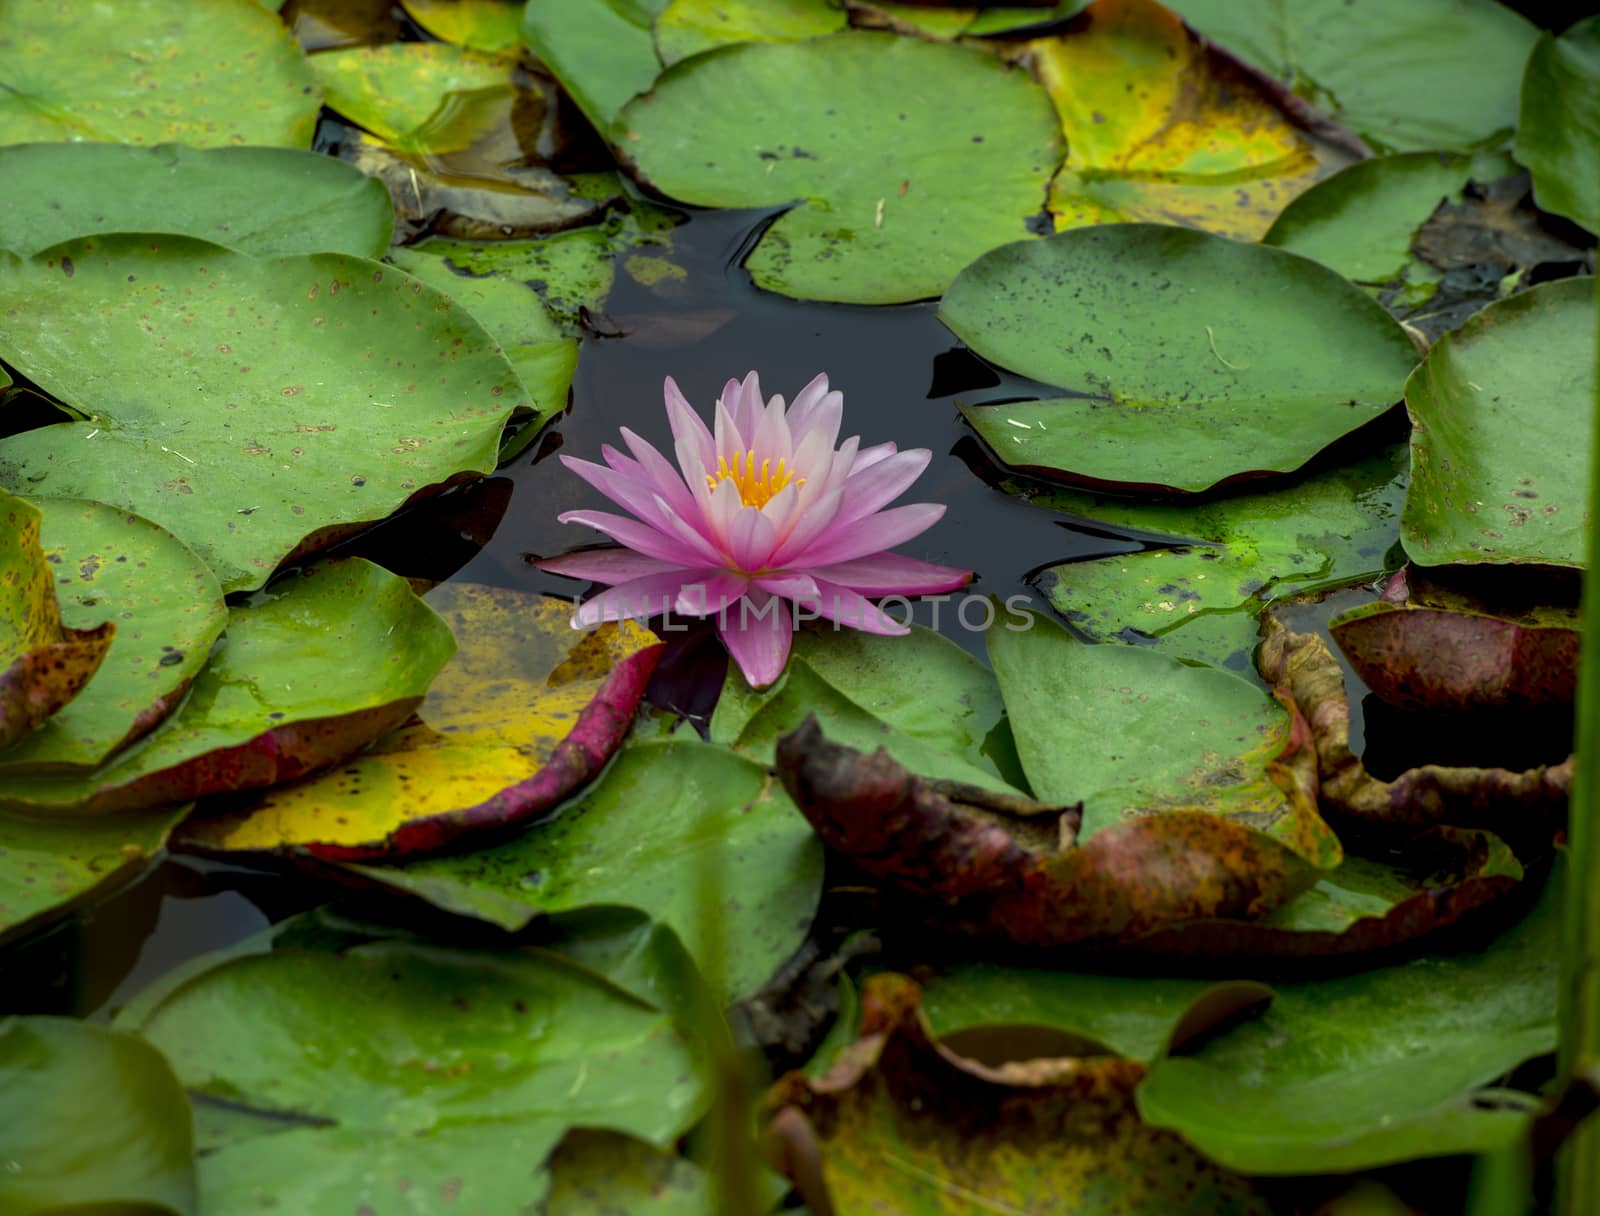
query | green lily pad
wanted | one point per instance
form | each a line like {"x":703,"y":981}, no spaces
{"x":492,"y":26}
{"x":898,"y":198}
{"x":412,"y":94}
{"x":168,"y":610}
{"x":207,"y":375}
{"x":922,"y":685}
{"x":394,"y":1067}
{"x":94,"y":1121}
{"x":805,"y":694}
{"x":1189,"y":360}
{"x":1134,"y":1016}
{"x":596,"y":1173}
{"x":688,"y":27}
{"x":44,"y":662}
{"x":49,"y":866}
{"x":1374,"y":1067}
{"x":1361,"y":221}
{"x":1495,"y":473}
{"x":639,"y":838}
{"x":1132,"y":732}
{"x":262,"y":710}
{"x":208,"y":73}
{"x":601,"y":51}
{"x":513,"y":315}
{"x":1431,"y":74}
{"x":1558,"y":136}
{"x":1199,"y":600}
{"x":259,"y":200}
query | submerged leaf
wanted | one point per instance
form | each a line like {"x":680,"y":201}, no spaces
{"x":211,"y":374}
{"x":641,"y":838}
{"x":1199,"y":601}
{"x":898,"y":196}
{"x":526,"y":712}
{"x":204,"y":72}
{"x":263,"y":710}
{"x":1429,"y":74}
{"x":264,"y":201}
{"x":94,"y":1122}
{"x":1495,"y":474}
{"x":44,"y":662}
{"x":1187,"y":360}
{"x":1161,"y":128}
{"x":168,"y":610}
{"x":906,"y":1124}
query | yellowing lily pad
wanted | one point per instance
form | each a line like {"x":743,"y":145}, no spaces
{"x":43,"y":661}
{"x":254,"y":407}
{"x":527,"y":711}
{"x":165,"y":602}
{"x":1160,"y":128}
{"x":266,"y":709}
{"x":395,"y":90}
{"x":207,"y":73}
{"x":493,"y":26}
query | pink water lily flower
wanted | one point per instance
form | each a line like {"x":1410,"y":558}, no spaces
{"x":765,"y":514}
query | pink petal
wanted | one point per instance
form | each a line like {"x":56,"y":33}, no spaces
{"x":747,"y":406}
{"x":884,"y":530}
{"x":638,"y":597}
{"x":818,"y":412}
{"x":605,"y":565}
{"x":731,"y":442}
{"x":711,"y":592}
{"x":639,"y":497}
{"x":757,"y":632}
{"x":868,"y":457}
{"x":723,"y":508}
{"x":880,"y":484}
{"x":637,"y":536}
{"x":844,"y":606}
{"x":801,"y":588}
{"x":694,"y":537}
{"x":752,"y":539}
{"x":894,"y":574}
{"x":689,"y":434}
{"x":667,"y":480}
{"x":810,"y":521}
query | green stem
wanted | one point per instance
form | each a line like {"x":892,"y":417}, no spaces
{"x":1579,"y":1185}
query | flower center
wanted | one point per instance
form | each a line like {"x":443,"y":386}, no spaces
{"x":756,"y":486}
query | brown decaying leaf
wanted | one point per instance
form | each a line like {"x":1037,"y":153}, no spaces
{"x":992,"y":874}
{"x":1306,"y":675}
{"x":1439,"y":652}
{"x":903,"y":1124}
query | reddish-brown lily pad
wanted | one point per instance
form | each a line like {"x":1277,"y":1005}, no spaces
{"x":1425,"y":647}
{"x":903,"y":1124}
{"x":1309,"y":677}
{"x":989,"y":870}
{"x":310,"y":674}
{"x":43,"y":663}
{"x":527,"y":712}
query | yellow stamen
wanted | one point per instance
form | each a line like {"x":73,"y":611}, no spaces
{"x":755,"y":489}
